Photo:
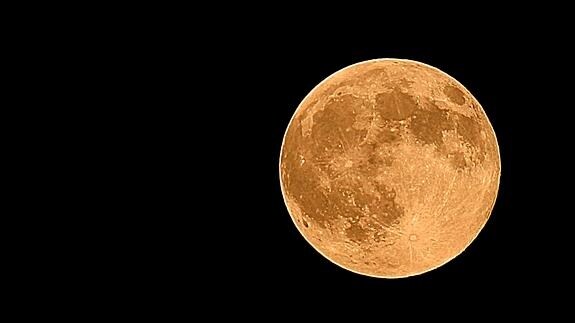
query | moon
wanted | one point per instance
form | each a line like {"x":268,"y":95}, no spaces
{"x":389,"y":168}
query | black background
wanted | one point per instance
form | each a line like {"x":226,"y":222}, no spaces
{"x":519,"y":257}
{"x":185,"y":116}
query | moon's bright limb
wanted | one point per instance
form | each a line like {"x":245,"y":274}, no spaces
{"x":389,"y":168}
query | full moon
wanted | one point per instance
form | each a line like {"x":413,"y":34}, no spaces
{"x":389,"y":168}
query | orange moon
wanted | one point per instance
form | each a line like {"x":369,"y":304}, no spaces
{"x":389,"y":168}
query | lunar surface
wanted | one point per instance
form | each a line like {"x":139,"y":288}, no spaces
{"x":389,"y":168}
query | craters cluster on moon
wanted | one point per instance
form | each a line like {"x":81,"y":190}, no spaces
{"x":389,"y":168}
